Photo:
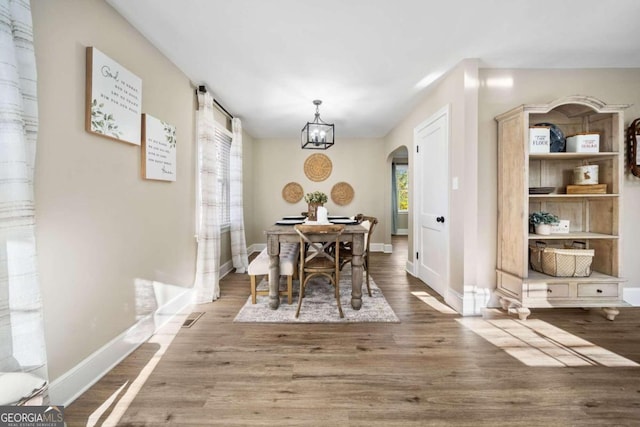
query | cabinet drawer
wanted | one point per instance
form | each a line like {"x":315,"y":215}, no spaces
{"x":548,"y":290}
{"x":598,"y":290}
{"x":558,"y":290}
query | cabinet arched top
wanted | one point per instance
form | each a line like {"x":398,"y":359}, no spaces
{"x":570,"y":106}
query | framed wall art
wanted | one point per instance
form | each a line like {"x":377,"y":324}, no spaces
{"x":158,"y":149}
{"x":113,"y":99}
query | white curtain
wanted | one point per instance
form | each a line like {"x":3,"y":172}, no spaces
{"x":207,"y":286}
{"x":238,"y":240}
{"x":22,"y":346}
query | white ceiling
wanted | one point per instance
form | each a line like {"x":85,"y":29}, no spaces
{"x":369,"y":60}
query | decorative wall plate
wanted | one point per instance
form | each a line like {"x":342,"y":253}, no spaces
{"x":342,"y":194}
{"x":317,"y":167}
{"x":292,"y":192}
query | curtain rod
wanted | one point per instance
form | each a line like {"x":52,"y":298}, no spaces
{"x":203,"y":89}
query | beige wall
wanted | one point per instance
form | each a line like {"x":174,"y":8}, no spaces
{"x":457,"y":89}
{"x":360,"y":162}
{"x":100,"y":226}
{"x":614,"y":86}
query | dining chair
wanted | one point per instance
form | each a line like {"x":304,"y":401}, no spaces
{"x":346,"y":253}
{"x":316,"y":258}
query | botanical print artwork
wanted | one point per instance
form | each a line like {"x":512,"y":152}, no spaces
{"x":102,"y":122}
{"x":170,"y":134}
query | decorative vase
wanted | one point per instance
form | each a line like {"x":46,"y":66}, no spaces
{"x":543,"y":229}
{"x":312,"y":212}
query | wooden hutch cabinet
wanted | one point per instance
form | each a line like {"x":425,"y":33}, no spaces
{"x":594,"y":218}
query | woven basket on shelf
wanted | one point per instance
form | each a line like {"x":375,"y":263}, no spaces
{"x":560,"y":262}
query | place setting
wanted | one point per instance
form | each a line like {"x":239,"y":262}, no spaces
{"x":323,"y":218}
{"x":291,"y":220}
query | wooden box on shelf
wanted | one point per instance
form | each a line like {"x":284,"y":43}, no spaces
{"x":587,"y":189}
{"x":593,"y":211}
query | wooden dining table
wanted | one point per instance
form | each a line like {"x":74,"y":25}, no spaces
{"x":276,"y":234}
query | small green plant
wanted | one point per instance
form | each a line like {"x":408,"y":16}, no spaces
{"x":316,"y":197}
{"x":536,"y":218}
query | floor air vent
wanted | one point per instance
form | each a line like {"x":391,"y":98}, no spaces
{"x":191,"y":319}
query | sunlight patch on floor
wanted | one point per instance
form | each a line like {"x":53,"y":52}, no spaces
{"x":434,"y":303}
{"x":94,"y":418}
{"x":537,"y":343}
{"x":163,"y":337}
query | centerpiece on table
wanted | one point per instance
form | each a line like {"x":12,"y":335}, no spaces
{"x":542,"y":222}
{"x":314,"y":200}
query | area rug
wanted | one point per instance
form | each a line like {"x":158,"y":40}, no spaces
{"x":319,"y":305}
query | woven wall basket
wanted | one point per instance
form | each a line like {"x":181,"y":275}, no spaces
{"x":342,"y":193}
{"x":292,"y":192}
{"x":318,"y":167}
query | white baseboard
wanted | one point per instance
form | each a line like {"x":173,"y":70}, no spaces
{"x":471,"y":303}
{"x":379,"y":247}
{"x":402,"y":232}
{"x":409,"y":267}
{"x":69,"y":386}
{"x":256,"y":247}
{"x":226,"y":268}
{"x":632,"y":296}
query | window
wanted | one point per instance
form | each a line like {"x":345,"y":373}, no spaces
{"x":402,"y":187}
{"x":222,"y":140}
{"x":223,"y":152}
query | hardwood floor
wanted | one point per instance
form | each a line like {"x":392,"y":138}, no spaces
{"x":430,"y":369}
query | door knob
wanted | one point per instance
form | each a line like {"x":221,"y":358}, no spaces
{"x":440,"y":219}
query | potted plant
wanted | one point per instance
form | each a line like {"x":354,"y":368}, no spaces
{"x":542,"y":222}
{"x":315,"y":199}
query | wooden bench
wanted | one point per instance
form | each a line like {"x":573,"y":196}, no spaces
{"x":289,"y":253}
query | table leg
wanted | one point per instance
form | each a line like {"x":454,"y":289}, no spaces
{"x":356,"y":271}
{"x":273,"y":249}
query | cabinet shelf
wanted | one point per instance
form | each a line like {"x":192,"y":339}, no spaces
{"x":537,"y":277}
{"x":572,"y":236}
{"x":573,"y":156}
{"x":572,"y":196}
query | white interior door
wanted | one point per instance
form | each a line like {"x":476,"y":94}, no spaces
{"x":431,"y":213}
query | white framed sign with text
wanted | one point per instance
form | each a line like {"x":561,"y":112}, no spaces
{"x":113,"y":99}
{"x":158,"y":149}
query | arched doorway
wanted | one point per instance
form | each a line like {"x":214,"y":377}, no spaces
{"x":399,"y":207}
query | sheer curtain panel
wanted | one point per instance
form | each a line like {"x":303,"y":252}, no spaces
{"x":207,"y":286}
{"x":22,"y":345}
{"x":238,"y":239}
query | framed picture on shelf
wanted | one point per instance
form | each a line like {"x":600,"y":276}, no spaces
{"x":158,"y":149}
{"x":113,"y":99}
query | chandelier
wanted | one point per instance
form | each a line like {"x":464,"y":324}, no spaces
{"x":317,"y":134}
